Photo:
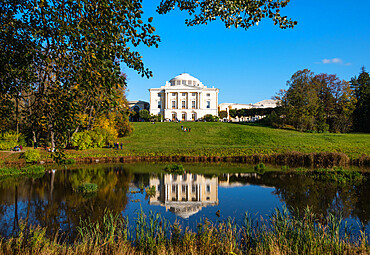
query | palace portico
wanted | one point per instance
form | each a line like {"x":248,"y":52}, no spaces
{"x":184,"y":98}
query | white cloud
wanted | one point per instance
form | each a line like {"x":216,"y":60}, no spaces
{"x":336,"y":60}
{"x":333,"y":61}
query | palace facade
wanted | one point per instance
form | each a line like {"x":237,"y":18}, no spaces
{"x":184,"y":98}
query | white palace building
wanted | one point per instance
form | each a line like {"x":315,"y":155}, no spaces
{"x":184,"y":98}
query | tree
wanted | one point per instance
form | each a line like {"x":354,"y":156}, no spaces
{"x":222,"y":114}
{"x":317,"y":103}
{"x":233,"y":113}
{"x":361,"y":86}
{"x":144,"y":114}
{"x":336,"y":103}
{"x":301,"y":101}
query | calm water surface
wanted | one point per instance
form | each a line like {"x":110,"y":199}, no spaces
{"x":223,"y":191}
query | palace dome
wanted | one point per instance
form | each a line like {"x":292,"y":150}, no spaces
{"x":185,"y":79}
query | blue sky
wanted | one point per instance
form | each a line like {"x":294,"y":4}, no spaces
{"x":332,"y":36}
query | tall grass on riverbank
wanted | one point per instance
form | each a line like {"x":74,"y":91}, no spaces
{"x":29,"y":171}
{"x":281,"y":233}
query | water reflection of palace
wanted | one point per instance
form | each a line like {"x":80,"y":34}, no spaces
{"x":186,"y":194}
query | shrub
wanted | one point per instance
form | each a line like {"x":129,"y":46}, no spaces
{"x":96,"y":138}
{"x":9,"y":140}
{"x":210,"y":118}
{"x":82,"y":140}
{"x":125,"y":128}
{"x":260,"y":168}
{"x":32,"y":156}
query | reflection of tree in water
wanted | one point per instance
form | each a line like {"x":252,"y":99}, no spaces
{"x":298,"y":192}
{"x":362,"y":206}
{"x":54,"y":205}
{"x":14,"y":192}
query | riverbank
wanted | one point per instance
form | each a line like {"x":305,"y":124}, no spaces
{"x":281,"y":233}
{"x":28,"y":171}
{"x":229,"y":142}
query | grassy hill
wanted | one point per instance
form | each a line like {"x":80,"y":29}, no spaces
{"x":233,"y":139}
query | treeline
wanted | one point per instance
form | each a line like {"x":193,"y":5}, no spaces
{"x":323,"y":103}
{"x":250,"y":112}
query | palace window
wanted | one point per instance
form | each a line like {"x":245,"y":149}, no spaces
{"x":159,"y":104}
{"x":184,"y":82}
{"x":173,"y":104}
{"x":173,"y":94}
{"x":183,"y":117}
{"x":172,"y":83}
{"x":208,"y":94}
{"x":183,"y":94}
{"x":183,"y":104}
{"x":208,"y":104}
{"x":193,"y":94}
{"x":190,"y":82}
{"x":193,"y":104}
{"x":193,"y":116}
{"x":159,"y":95}
{"x":208,"y":188}
{"x":178,"y":82}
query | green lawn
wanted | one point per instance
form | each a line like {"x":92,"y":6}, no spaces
{"x":232,"y":139}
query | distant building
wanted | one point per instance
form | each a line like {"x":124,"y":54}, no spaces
{"x":184,"y":98}
{"x":137,"y":106}
{"x":269,"y":103}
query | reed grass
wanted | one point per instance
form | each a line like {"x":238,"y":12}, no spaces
{"x":281,"y":233}
{"x":30,"y":171}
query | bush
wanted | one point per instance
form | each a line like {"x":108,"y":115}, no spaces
{"x":82,"y":140}
{"x":9,"y":140}
{"x":32,"y":156}
{"x":125,"y":128}
{"x":210,"y":118}
{"x":260,"y":168}
{"x":96,"y":138}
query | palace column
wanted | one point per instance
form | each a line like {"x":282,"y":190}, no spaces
{"x":166,"y":101}
{"x":199,"y":101}
{"x":188,"y":100}
{"x":177,"y":100}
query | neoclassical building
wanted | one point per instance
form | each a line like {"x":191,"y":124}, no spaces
{"x":184,"y":98}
